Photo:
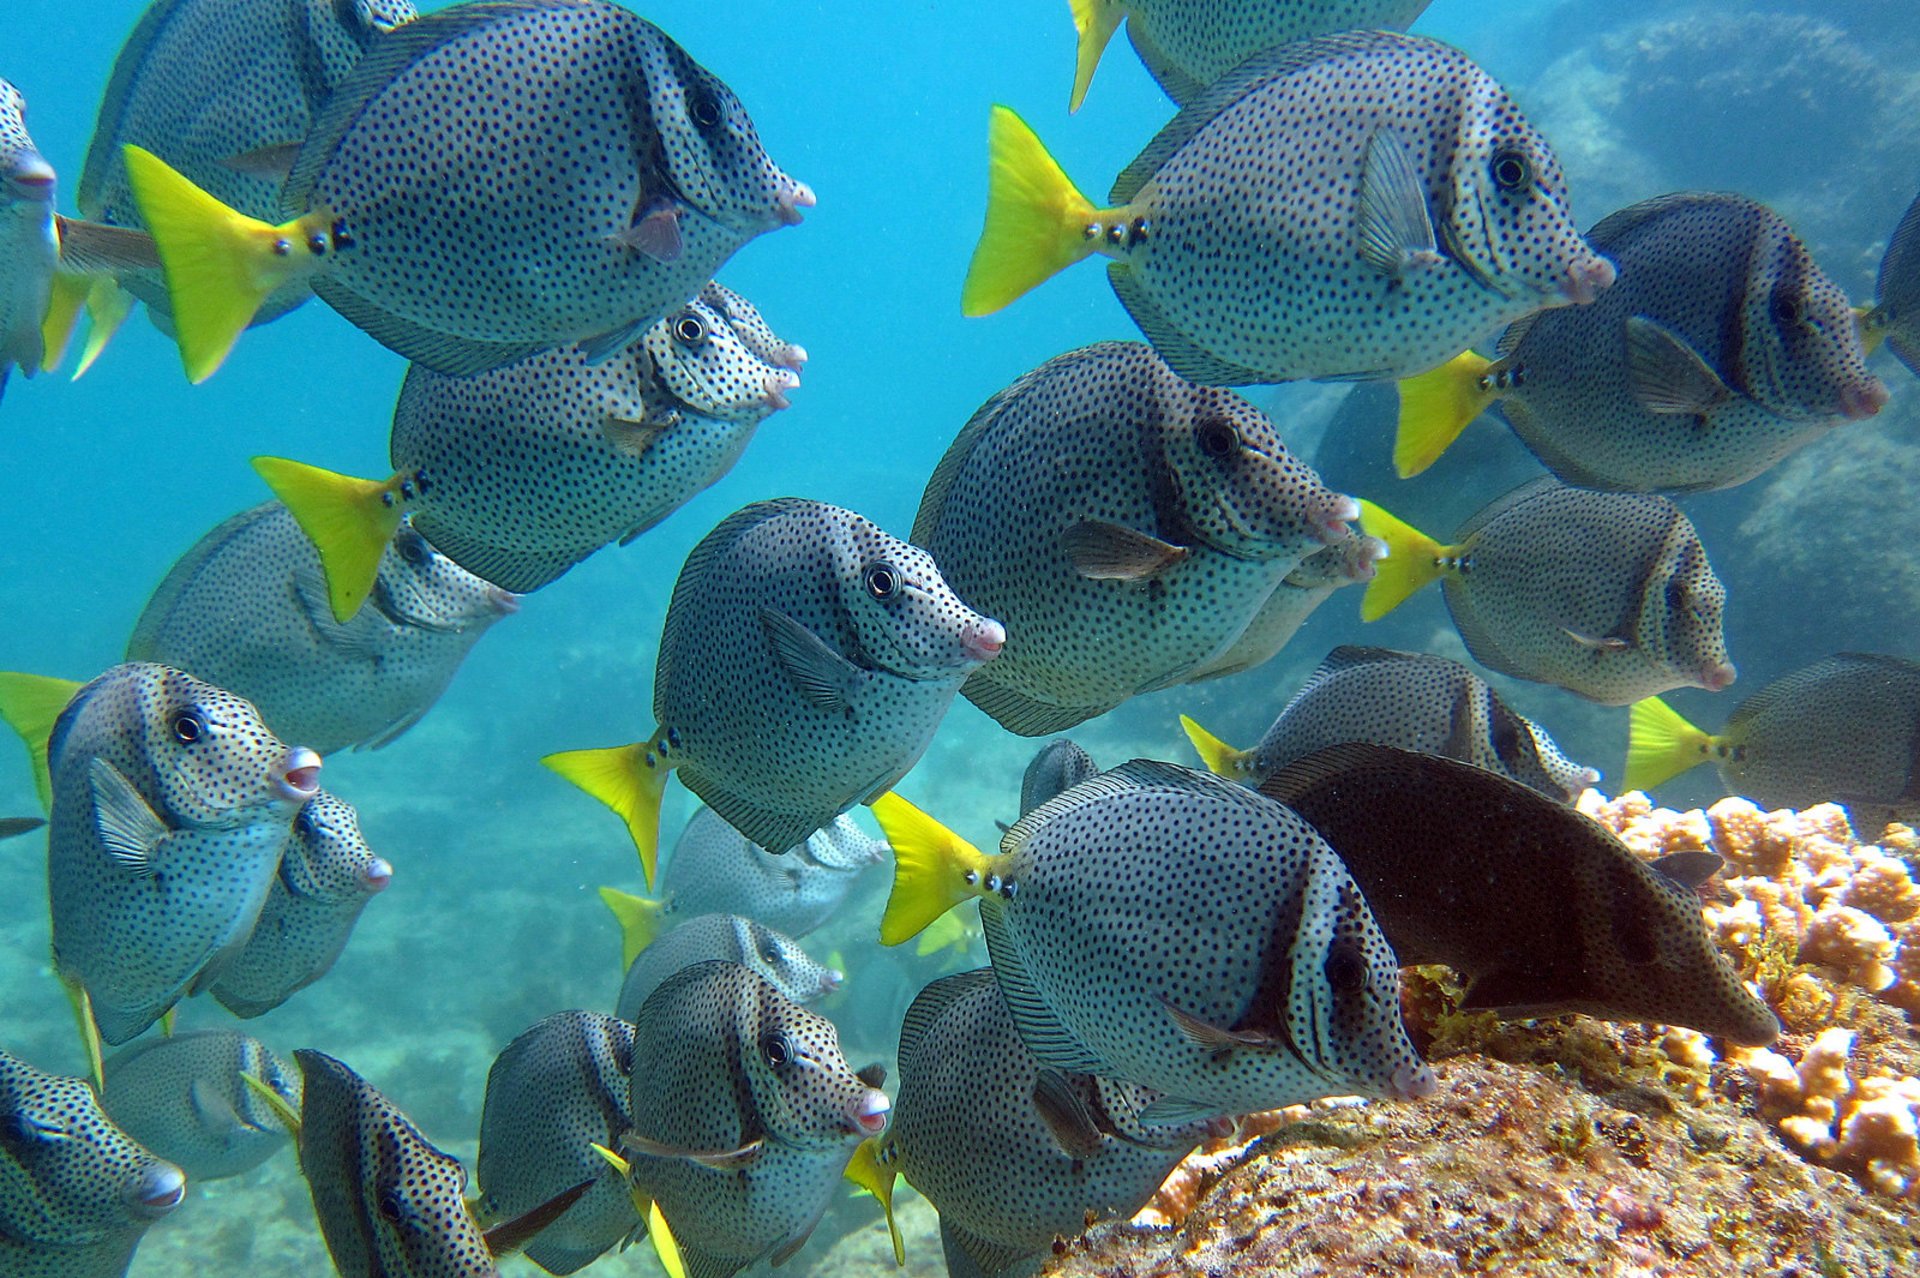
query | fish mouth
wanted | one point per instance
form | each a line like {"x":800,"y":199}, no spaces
{"x":1863,"y":399}
{"x":378,"y":875}
{"x":869,"y":1114}
{"x":1413,"y":1081}
{"x":160,"y":1190}
{"x":831,"y":979}
{"x":794,"y":357}
{"x":1585,"y":280}
{"x":32,"y":178}
{"x":776,"y":385}
{"x":787,"y":208}
{"x":504,"y":602}
{"x":299,"y":778}
{"x":1717,"y":676}
{"x":1330,"y":522}
{"x":984,"y":641}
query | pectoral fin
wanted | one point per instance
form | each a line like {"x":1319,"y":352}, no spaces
{"x":655,"y":233}
{"x":1667,"y":375}
{"x":633,"y":435}
{"x":1103,"y":551}
{"x":1066,"y":1114}
{"x":215,"y":1112}
{"x":512,"y":1235}
{"x":1599,"y":643}
{"x":823,"y":677}
{"x":720,"y":1159}
{"x":1217,"y":1038}
{"x":1392,"y":224}
{"x":127,"y":825}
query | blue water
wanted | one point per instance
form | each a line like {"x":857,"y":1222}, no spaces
{"x":492,"y":919}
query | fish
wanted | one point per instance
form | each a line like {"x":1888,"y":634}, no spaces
{"x":1173,"y":930}
{"x":14,"y":827}
{"x":1720,"y":348}
{"x":1840,"y":730}
{"x":224,"y":91}
{"x":1361,"y":205}
{"x":1057,"y":768}
{"x":1188,"y":44}
{"x":1409,"y":700}
{"x":327,"y":876}
{"x":1011,"y":1153}
{"x":171,"y":804}
{"x":76,"y":1192}
{"x":520,"y":473}
{"x":1608,"y":595}
{"x":247,"y":607}
{"x":648,"y":175}
{"x":1540,"y":910}
{"x":557,"y":1090}
{"x":1894,"y":315}
{"x":1125,"y":525}
{"x":752,"y":328}
{"x":806,"y":660}
{"x":654,"y":948}
{"x":1345,"y":563}
{"x":185,"y":1099}
{"x":29,"y":242}
{"x":714,"y":869}
{"x":745,"y":1113}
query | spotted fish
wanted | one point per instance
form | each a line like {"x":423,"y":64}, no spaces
{"x":247,"y":608}
{"x":1359,"y":205}
{"x":744,"y":1115}
{"x":1840,"y":730}
{"x":1176,"y":931}
{"x":806,"y":660}
{"x":1057,"y":768}
{"x":1126,"y":525}
{"x":1541,"y":910}
{"x":1894,"y":316}
{"x":1189,"y":44}
{"x":1011,"y":1153}
{"x":752,"y":328}
{"x":29,"y":242}
{"x":520,"y":473}
{"x":185,"y":1098}
{"x":646,"y":177}
{"x":171,"y":804}
{"x":1345,"y":563}
{"x":76,"y":1192}
{"x":1721,"y":348}
{"x":1409,"y":700}
{"x":1608,"y":595}
{"x":654,"y":948}
{"x":714,"y":869}
{"x":14,"y":827}
{"x":327,"y":876}
{"x":556,"y":1091}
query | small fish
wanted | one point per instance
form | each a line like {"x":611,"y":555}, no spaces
{"x":1057,"y":768}
{"x":555,"y":1092}
{"x":29,"y":242}
{"x":1608,"y":595}
{"x":1345,"y":563}
{"x":806,"y":660}
{"x":519,"y":473}
{"x":1125,"y":524}
{"x":1361,"y":205}
{"x":752,"y":328}
{"x":247,"y":607}
{"x":1720,"y":348}
{"x":171,"y":804}
{"x":744,"y":1115}
{"x":1408,"y":700}
{"x":647,"y":177}
{"x":1841,"y":730}
{"x":654,"y":948}
{"x":1541,"y":910}
{"x":1176,"y":931}
{"x":76,"y":1192}
{"x":714,"y":869}
{"x":1189,"y":44}
{"x":14,"y":827}
{"x":186,"y":1099}
{"x":327,"y":876}
{"x":1894,"y":316}
{"x":1011,"y":1153}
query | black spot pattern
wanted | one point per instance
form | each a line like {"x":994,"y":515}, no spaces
{"x":1348,"y":562}
{"x":28,"y":245}
{"x":247,"y":608}
{"x":162,"y":1092}
{"x":773,"y":956}
{"x":714,"y":869}
{"x":1188,"y":44}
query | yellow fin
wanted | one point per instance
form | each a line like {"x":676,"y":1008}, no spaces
{"x":639,"y":922}
{"x":63,"y":314}
{"x":108,"y":306}
{"x":350,"y":521}
{"x":630,"y":779}
{"x":1036,"y":219}
{"x":663,"y":1244}
{"x":1661,"y":744}
{"x":865,"y":1171}
{"x":1870,"y":326}
{"x":1095,"y":21}
{"x":1435,"y":407}
{"x":282,"y":1107}
{"x":930,"y":868}
{"x":1413,"y":560}
{"x":82,"y":1004}
{"x":167,"y":1019}
{"x":32,"y":704}
{"x":1221,"y":759}
{"x":220,"y":264}
{"x":949,"y":931}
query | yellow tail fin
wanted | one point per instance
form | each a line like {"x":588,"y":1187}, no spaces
{"x":63,"y":315}
{"x":32,"y":703}
{"x":1661,"y":745}
{"x":1036,"y":219}
{"x":1095,"y":21}
{"x":931,"y":865}
{"x":82,"y":1004}
{"x":865,"y":1171}
{"x":1221,"y":759}
{"x":350,"y":521}
{"x":948,"y":932}
{"x":108,"y":306}
{"x":1871,"y":329}
{"x":1435,"y":407}
{"x":629,"y":779}
{"x":220,"y":264}
{"x":664,"y":1245}
{"x":1413,"y":560}
{"x":639,"y":922}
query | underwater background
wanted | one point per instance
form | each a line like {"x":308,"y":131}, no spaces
{"x":492,"y":920}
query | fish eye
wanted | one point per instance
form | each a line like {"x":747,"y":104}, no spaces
{"x":777,"y":1051}
{"x":770,"y":954}
{"x":689,"y":331}
{"x":883,"y":583}
{"x":1511,"y":170}
{"x":392,"y":1210}
{"x":1786,"y":311}
{"x":303,"y":822}
{"x":1346,"y":970}
{"x":1217,"y":438}
{"x":703,"y":108}
{"x":413,"y":547}
{"x":188,"y":728}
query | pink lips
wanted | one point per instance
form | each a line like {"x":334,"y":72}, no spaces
{"x":870,"y":1112}
{"x":1714,"y":678}
{"x":776,"y":386}
{"x":299,"y":779}
{"x":830,"y":980}
{"x":1863,"y":400}
{"x":984,"y":641}
{"x":379,"y":874}
{"x":33,"y":179}
{"x":788,"y":209}
{"x":505,"y":602}
{"x":1586,"y":280}
{"x":1411,"y":1082}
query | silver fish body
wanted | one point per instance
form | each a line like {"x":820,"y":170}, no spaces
{"x":185,"y":1099}
{"x":714,"y":869}
{"x":773,"y":956}
{"x":1895,"y":314}
{"x":327,"y":876}
{"x":29,"y":244}
{"x":1125,"y":524}
{"x":247,"y":608}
